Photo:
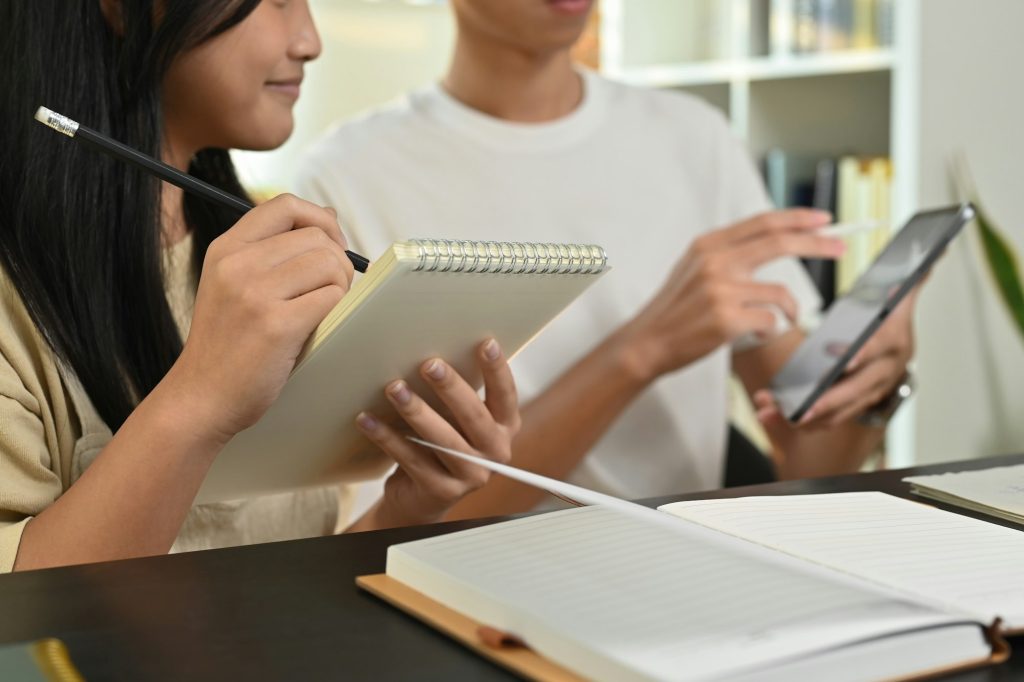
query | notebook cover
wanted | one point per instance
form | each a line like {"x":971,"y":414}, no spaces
{"x":519,"y":659}
{"x":524,"y":661}
{"x":404,"y":310}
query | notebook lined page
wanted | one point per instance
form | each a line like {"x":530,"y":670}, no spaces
{"x":603,"y":592}
{"x":963,"y":563}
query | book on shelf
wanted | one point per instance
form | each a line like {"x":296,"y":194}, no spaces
{"x":851,"y":586}
{"x":790,"y":178}
{"x":823,"y":270}
{"x":854,"y":189}
{"x":759,"y":35}
{"x":864,"y":188}
{"x":804,"y":180}
{"x":422,"y":298}
{"x":814,"y":26}
{"x":832,"y":23}
{"x":805,"y":26}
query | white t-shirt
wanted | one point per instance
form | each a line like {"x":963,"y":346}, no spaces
{"x":640,"y":172}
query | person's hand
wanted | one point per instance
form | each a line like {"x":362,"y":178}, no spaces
{"x":872,"y":375}
{"x":425,"y":485}
{"x":711,"y":297}
{"x":266,"y":284}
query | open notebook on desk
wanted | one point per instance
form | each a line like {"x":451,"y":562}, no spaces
{"x":421,"y":298}
{"x":760,"y":588}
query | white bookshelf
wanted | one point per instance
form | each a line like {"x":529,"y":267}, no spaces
{"x":759,"y":68}
{"x":739,"y":82}
{"x":949,"y":83}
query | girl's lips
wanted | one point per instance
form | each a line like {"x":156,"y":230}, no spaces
{"x":290,"y":88}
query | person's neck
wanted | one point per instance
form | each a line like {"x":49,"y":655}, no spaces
{"x":173,"y":226}
{"x":513,"y":85}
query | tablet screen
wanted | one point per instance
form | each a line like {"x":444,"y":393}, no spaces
{"x":818,"y":361}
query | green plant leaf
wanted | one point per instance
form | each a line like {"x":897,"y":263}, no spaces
{"x":1002,"y":263}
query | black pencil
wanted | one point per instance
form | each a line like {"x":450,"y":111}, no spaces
{"x":113,"y":148}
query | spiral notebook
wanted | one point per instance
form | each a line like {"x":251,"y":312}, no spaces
{"x":422,"y":298}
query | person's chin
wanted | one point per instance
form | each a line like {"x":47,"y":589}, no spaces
{"x":553,"y":42}
{"x":265,"y":137}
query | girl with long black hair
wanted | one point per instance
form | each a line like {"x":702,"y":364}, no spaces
{"x":141,"y":329}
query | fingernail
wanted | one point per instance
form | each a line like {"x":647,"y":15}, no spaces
{"x":818,"y":213}
{"x":366,"y":422}
{"x":435,"y":369}
{"x":808,"y":416}
{"x":492,"y":350}
{"x":399,"y":392}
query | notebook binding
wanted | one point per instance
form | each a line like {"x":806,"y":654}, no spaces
{"x":452,"y":255}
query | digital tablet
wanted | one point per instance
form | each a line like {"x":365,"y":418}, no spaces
{"x":853,"y":318}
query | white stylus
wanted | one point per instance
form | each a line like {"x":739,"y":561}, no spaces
{"x":850,"y":228}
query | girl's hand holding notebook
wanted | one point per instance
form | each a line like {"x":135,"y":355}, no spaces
{"x":265,"y":286}
{"x":426,"y":484}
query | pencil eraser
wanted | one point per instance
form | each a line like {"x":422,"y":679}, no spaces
{"x":60,"y":123}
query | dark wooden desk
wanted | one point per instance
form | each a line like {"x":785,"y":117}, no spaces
{"x":290,"y":610}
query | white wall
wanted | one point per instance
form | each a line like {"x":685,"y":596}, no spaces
{"x":373,"y":52}
{"x":970,"y":357}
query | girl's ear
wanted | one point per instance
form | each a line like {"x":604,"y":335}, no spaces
{"x":113,"y":12}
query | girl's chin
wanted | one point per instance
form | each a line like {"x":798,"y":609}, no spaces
{"x":264,"y":136}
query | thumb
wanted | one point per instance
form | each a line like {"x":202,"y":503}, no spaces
{"x":776,"y":426}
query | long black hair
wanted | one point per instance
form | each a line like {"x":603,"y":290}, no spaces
{"x":80,"y":233}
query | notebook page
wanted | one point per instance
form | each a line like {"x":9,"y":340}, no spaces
{"x":611,"y":595}
{"x":966,"y":564}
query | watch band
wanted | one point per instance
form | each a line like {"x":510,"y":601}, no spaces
{"x":878,"y":415}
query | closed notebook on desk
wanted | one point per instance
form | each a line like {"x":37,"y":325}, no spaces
{"x":839,"y":587}
{"x":420,"y":299}
{"x":998,"y":491}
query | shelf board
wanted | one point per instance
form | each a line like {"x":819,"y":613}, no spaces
{"x":755,"y":69}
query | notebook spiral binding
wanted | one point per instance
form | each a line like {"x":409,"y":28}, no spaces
{"x":450,"y":255}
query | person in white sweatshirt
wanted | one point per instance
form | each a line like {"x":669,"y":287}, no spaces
{"x":627,"y":391}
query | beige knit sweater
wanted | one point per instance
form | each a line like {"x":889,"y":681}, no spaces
{"x":50,"y":433}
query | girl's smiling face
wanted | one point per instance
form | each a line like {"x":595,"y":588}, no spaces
{"x":238,"y":89}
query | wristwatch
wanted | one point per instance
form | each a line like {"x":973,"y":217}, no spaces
{"x":879,"y":414}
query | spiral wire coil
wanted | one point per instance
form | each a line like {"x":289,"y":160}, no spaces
{"x":450,"y":255}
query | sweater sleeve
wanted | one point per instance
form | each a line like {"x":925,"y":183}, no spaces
{"x":36,"y":424}
{"x":28,"y":484}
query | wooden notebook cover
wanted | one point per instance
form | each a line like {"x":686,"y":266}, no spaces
{"x":526,"y":662}
{"x":519,"y":659}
